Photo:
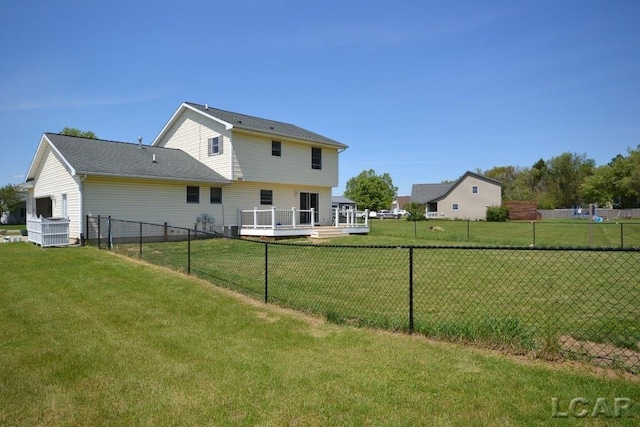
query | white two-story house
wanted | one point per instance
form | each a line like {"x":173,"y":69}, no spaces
{"x":207,"y":169}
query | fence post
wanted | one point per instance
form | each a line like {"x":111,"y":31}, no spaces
{"x":189,"y":251}
{"x":266,"y":272}
{"x":411,"y":290}
{"x":140,"y":254}
{"x":86,"y":229}
{"x":165,"y":232}
{"x":533,"y":223}
{"x":109,"y":238}
{"x":99,"y":232}
{"x":621,"y":235}
{"x":468,"y":226}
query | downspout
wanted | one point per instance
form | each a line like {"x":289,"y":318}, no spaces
{"x":81,"y":205}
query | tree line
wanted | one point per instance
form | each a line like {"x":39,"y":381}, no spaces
{"x":564,"y":181}
{"x":572,"y":179}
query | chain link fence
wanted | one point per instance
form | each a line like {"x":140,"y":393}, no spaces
{"x":582,"y":303}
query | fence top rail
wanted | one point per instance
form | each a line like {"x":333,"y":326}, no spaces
{"x":465,"y":247}
{"x":144,"y":223}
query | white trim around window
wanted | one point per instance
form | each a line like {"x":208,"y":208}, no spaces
{"x":215,"y":145}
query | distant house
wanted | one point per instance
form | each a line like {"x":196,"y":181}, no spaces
{"x":233,"y":169}
{"x":16,"y":216}
{"x":343,"y":203}
{"x":466,"y":198}
{"x":400,"y":202}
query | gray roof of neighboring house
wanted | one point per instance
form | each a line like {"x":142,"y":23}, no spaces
{"x":257,"y":124}
{"x":122,"y":159}
{"x":427,"y":193}
{"x":341,"y":199}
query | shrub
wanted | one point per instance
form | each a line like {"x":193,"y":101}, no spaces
{"x":497,"y":213}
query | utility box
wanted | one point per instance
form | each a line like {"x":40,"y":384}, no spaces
{"x":231,"y":231}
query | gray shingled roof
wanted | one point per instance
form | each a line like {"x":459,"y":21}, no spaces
{"x":340,"y":199}
{"x":426,"y":193}
{"x":256,"y":124}
{"x":110,"y":158}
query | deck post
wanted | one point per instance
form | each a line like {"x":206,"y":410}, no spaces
{"x":313,"y":217}
{"x":293,"y":216}
{"x":273,"y":217}
{"x":255,"y":217}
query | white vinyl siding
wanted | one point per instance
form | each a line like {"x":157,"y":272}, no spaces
{"x":471,"y":205}
{"x":256,"y":164}
{"x":157,"y":202}
{"x":53,"y":180}
{"x":191,"y":133}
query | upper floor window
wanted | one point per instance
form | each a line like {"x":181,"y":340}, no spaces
{"x":193,"y":194}
{"x":474,"y":189}
{"x":454,"y":207}
{"x":215,"y":145}
{"x":316,"y":158}
{"x":276,"y":148}
{"x":266,"y":197}
{"x":215,"y":195}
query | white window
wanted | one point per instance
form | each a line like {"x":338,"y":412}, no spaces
{"x":276,"y":148}
{"x":266,"y":197}
{"x":316,"y":158}
{"x":215,"y":195}
{"x":454,"y":207}
{"x":474,"y":189}
{"x":193,"y":194}
{"x":215,"y":145}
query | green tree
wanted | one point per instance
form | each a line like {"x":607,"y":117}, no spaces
{"x":9,"y":198}
{"x":77,"y":132}
{"x":371,"y":191}
{"x":617,"y":183}
{"x":565,"y":175}
{"x":415,"y":210}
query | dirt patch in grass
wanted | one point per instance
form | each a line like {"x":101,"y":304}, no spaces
{"x":605,"y":355}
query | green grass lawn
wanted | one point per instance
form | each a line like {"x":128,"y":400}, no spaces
{"x":526,"y":300}
{"x":573,"y":233}
{"x":89,"y":338}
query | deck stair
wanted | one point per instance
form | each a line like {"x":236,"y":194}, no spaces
{"x":326,"y":233}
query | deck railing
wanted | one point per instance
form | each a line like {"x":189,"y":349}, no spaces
{"x":277,"y":218}
{"x":350,"y":218}
{"x":48,"y":231}
{"x":273,"y":218}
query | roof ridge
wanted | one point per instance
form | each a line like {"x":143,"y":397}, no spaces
{"x":110,"y":141}
{"x":207,"y":107}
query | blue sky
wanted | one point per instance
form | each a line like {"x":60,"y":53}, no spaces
{"x":423,"y":90}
